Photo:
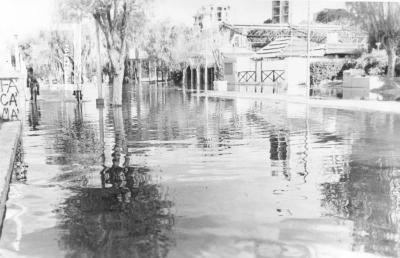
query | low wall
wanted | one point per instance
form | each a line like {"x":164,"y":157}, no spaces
{"x":359,"y":87}
{"x":12,"y":112}
{"x":10,"y":134}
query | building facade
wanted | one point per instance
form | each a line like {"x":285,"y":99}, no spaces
{"x":212,"y":15}
{"x":280,"y":11}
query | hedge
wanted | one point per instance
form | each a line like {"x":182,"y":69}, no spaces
{"x":324,"y":70}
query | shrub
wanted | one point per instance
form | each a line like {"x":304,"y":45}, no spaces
{"x":347,"y":65}
{"x":324,"y":70}
{"x":176,"y":76}
{"x":374,"y":63}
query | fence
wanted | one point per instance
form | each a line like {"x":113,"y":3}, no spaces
{"x":247,"y":76}
{"x":272,"y":75}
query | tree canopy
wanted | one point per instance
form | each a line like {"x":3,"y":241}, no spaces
{"x":382,"y":21}
{"x":332,"y":15}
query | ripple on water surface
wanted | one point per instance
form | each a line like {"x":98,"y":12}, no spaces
{"x":204,"y":177}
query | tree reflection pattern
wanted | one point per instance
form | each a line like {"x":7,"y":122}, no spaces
{"x":94,"y":222}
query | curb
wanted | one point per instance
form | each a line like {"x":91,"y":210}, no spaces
{"x":354,"y":105}
{"x":5,"y":181}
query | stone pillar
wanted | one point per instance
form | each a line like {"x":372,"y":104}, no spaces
{"x":191,"y":78}
{"x":206,"y":78}
{"x":198,"y":78}
{"x":184,"y":79}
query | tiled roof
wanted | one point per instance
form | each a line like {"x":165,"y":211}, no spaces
{"x":284,"y":47}
{"x":341,"y":48}
{"x":297,"y":47}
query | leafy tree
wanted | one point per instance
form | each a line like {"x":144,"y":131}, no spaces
{"x":46,"y":51}
{"x":332,"y":15}
{"x":382,"y":21}
{"x":115,"y":19}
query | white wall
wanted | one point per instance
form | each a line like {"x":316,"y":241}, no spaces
{"x":244,"y":64}
{"x":274,"y":64}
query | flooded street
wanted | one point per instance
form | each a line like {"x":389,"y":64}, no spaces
{"x":209,"y":178}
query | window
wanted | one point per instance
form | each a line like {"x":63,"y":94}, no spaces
{"x":228,"y":68}
{"x":219,"y":13}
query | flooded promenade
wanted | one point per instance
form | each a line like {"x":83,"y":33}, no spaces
{"x":209,"y":177}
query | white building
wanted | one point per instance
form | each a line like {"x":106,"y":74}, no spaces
{"x":212,"y":15}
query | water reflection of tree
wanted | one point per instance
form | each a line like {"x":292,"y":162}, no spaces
{"x":368,"y":192}
{"x":96,"y":225}
{"x":77,"y":141}
{"x":369,"y":196}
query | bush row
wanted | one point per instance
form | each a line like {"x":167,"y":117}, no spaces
{"x":324,"y":70}
{"x":374,"y":63}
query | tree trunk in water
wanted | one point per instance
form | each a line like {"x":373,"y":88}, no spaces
{"x":117,"y":58}
{"x":391,"y":52}
{"x":117,"y":86}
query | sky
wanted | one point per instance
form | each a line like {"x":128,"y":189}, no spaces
{"x":28,"y":16}
{"x":242,"y":11}
{"x":24,"y":16}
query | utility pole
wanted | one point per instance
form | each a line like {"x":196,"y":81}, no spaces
{"x":308,"y":86}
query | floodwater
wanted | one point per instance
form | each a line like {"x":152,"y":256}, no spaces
{"x":205,"y":177}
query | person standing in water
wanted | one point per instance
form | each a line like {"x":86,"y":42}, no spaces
{"x":31,"y":82}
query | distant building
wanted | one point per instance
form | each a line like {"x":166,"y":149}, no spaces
{"x":295,"y":12}
{"x":212,"y":15}
{"x":280,"y":11}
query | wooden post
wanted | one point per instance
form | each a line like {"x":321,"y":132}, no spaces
{"x":255,"y":69}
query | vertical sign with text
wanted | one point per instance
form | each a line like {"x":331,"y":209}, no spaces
{"x":9,"y":97}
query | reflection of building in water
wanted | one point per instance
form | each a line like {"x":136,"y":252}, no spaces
{"x":278,"y":145}
{"x":279,"y":152}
